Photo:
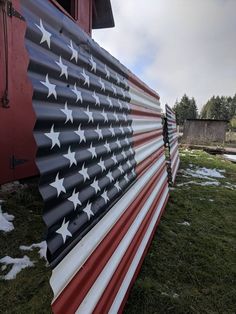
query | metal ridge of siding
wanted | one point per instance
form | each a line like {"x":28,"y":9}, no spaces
{"x":172,"y":138}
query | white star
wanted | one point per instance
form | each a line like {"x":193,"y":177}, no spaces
{"x":126,"y":177}
{"x":130,"y":129}
{"x":116,"y":116}
{"x":114,"y":159}
{"x":107,"y":72}
{"x":110,"y":177}
{"x":86,"y":78}
{"x":97,"y":100}
{"x":121,"y":169}
{"x":127,"y":140}
{"x":63,"y":67}
{"x":92,"y":151}
{"x":118,"y":143}
{"x":104,"y":115}
{"x":89,"y":114}
{"x":120,"y":104}
{"x":81,"y":134}
{"x":123,"y":154}
{"x":127,"y":106}
{"x":123,"y":93}
{"x":109,"y":101}
{"x":117,"y":79}
{"x":129,"y":164}
{"x":45,"y":34}
{"x":93,"y":64}
{"x":54,"y":137}
{"x":102,"y":164}
{"x":84,"y":173}
{"x":107,"y":147}
{"x":99,"y":132}
{"x":114,"y":89}
{"x":125,"y":116}
{"x":63,"y":230}
{"x":95,"y":185}
{"x":74,"y":54}
{"x":58,"y":185}
{"x":51,"y":87}
{"x":117,"y":186}
{"x":68,"y":113}
{"x":77,"y":93}
{"x":126,"y":84}
{"x":88,"y":210}
{"x":105,"y":196}
{"x":74,"y":198}
{"x":102,"y":84}
{"x":122,"y":130}
{"x":133,"y":172}
{"x":111,"y":129}
{"x":71,"y":157}
{"x":131,"y":151}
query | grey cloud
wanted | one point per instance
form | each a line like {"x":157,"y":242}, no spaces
{"x":191,"y":45}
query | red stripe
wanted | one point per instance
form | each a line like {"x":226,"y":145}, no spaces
{"x":143,"y":256}
{"x":136,"y":81}
{"x":140,"y":139}
{"x":112,"y":289}
{"x":143,"y":112}
{"x":73,"y":294}
{"x":143,"y":165}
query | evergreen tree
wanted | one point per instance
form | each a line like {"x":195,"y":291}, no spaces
{"x":185,"y":109}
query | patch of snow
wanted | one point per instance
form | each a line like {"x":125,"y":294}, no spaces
{"x":230,"y":186}
{"x":211,"y":200}
{"x":185,"y":223}
{"x":204,"y":173}
{"x":42,"y":248}
{"x":5,"y":221}
{"x":230,"y":157}
{"x":175,"y":295}
{"x":206,"y":183}
{"x":18,"y":265}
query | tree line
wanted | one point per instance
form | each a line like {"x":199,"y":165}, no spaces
{"x":217,"y":108}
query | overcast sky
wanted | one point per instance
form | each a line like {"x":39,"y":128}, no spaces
{"x":176,"y":46}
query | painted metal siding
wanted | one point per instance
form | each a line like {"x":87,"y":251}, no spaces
{"x":172,"y":140}
{"x":101,"y":160}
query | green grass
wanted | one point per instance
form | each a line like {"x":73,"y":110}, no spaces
{"x":188,"y":269}
{"x":30,"y":292}
{"x":191,"y":269}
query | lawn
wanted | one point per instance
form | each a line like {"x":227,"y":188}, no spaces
{"x":190,"y":267}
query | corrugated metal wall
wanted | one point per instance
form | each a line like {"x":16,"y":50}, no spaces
{"x":101,"y":160}
{"x":172,"y":140}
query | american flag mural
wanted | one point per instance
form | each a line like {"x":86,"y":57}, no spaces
{"x":101,"y":160}
{"x":172,"y":141}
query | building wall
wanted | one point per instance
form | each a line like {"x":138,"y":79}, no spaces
{"x":204,"y":131}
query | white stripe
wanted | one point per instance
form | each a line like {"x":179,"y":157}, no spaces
{"x":176,"y":169}
{"x":173,"y":147}
{"x":146,"y":150}
{"x":96,"y":291}
{"x":141,"y":98}
{"x":130,"y":273}
{"x":72,"y":262}
{"x":145,"y":125}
